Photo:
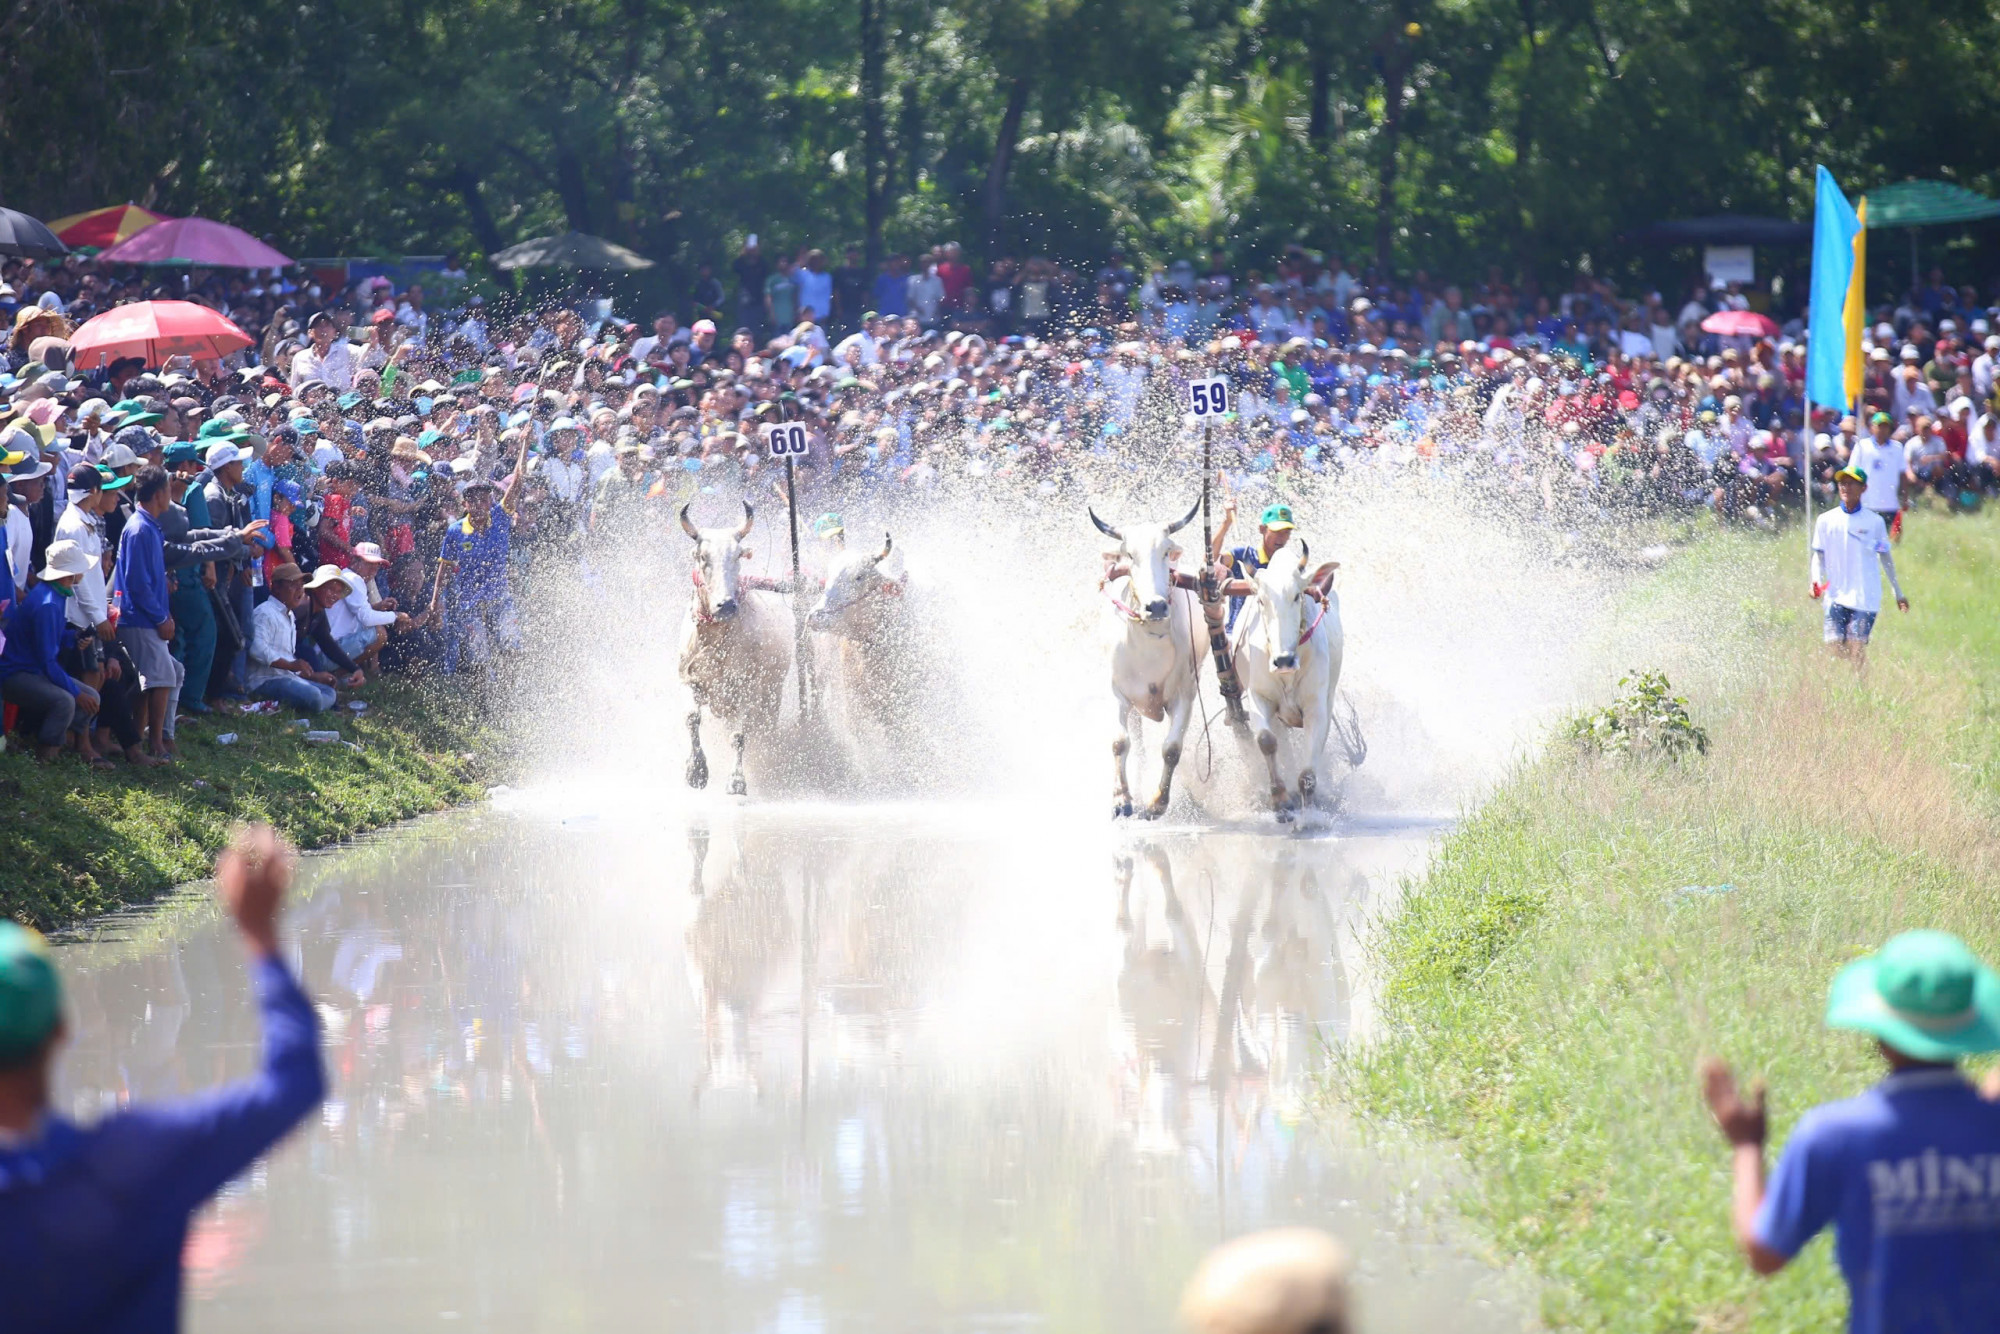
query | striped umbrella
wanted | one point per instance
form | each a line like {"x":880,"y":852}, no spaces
{"x":103,"y":227}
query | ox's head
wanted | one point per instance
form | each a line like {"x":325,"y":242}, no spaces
{"x":857,"y":579}
{"x":718,"y":561}
{"x":1148,"y":550}
{"x":1283,"y":606}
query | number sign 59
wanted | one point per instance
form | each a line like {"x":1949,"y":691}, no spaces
{"x":786,"y":440}
{"x":1209,"y":397}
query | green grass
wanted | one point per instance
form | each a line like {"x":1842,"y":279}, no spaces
{"x":74,"y":843}
{"x":1552,"y":982}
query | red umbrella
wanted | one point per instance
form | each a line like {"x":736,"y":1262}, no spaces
{"x":154,"y":330}
{"x":211,"y":245}
{"x":1741,"y":324}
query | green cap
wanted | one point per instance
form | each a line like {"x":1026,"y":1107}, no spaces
{"x":1882,"y":417}
{"x":1924,"y":993}
{"x":30,"y":993}
{"x":826,"y":525}
{"x":223,"y":429}
{"x":132,"y":412}
{"x":114,"y":480}
{"x":1859,"y":474}
{"x":1277,"y":516}
{"x":182,"y":451}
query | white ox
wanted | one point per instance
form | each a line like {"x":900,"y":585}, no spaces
{"x":1287,"y":651}
{"x":1155,"y":665}
{"x":736,"y":646}
{"x":863,"y":611}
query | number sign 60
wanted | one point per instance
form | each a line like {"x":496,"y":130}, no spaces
{"x":787,"y":440}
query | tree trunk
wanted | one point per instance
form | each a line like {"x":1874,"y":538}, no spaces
{"x":465,"y":182}
{"x":874,"y":172}
{"x":571,"y":189}
{"x":1003,"y":161}
{"x":1395,"y":64}
{"x":911,"y":136}
{"x":1322,"y":94}
{"x":1524,"y":144}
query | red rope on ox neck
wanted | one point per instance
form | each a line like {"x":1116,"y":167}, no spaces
{"x":701,"y":612}
{"x":1315,"y":623}
{"x":1130,"y":614}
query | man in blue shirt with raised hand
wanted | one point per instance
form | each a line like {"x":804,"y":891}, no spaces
{"x":93,"y":1218}
{"x":1908,"y":1173}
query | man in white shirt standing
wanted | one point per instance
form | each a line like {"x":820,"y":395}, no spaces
{"x":1884,"y":463}
{"x":18,"y":465}
{"x":1982,"y":450}
{"x":92,"y":494}
{"x":1850,"y":554}
{"x":1983,"y":367}
{"x":412,"y":315}
{"x":327,"y":357}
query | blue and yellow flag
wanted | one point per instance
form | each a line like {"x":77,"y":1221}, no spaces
{"x":1833,"y":339}
{"x":1854,"y":312}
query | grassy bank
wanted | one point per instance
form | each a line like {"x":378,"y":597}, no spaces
{"x":75,"y":843}
{"x":1597,"y":927}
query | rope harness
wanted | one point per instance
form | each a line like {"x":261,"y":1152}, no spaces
{"x":702,"y":615}
{"x":1128,"y":613}
{"x":1305,"y":632}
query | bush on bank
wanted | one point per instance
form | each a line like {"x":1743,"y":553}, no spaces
{"x":1598,"y":926}
{"x":74,"y":843}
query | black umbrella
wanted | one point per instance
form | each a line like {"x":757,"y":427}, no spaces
{"x":26,"y":237}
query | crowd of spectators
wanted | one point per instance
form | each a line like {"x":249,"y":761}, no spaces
{"x":358,"y":489}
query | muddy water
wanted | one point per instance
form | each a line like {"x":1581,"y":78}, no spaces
{"x":601,"y":1064}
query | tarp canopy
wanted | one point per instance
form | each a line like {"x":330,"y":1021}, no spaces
{"x":1923,"y":203}
{"x":571,"y":250}
{"x":1725,"y":229}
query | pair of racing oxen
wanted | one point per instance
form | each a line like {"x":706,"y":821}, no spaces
{"x":737,"y":645}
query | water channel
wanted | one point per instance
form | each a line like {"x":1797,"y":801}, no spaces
{"x":609,"y":1061}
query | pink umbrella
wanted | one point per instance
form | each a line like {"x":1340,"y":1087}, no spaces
{"x":154,"y":330}
{"x":1728,"y":323}
{"x":197,"y":241}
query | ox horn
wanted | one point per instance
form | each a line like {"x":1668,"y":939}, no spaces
{"x":1305,"y":553}
{"x":687,"y":525}
{"x":749,"y":518}
{"x":1186,"y":519}
{"x":1104,"y":527}
{"x":888,"y":543}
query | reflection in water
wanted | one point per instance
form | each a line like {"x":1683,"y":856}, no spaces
{"x":777,"y":1069}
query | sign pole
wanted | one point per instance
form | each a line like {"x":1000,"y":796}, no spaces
{"x":787,"y":439}
{"x":798,"y":607}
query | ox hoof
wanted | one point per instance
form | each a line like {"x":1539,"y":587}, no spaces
{"x":1154,"y":811}
{"x":737,"y":787}
{"x":1283,"y":816}
{"x":697,"y":772}
{"x":1121,"y":810}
